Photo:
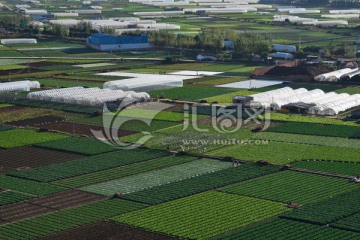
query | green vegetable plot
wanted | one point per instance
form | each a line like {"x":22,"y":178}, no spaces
{"x":158,"y":177}
{"x":286,"y":229}
{"x":289,"y":186}
{"x":187,"y":187}
{"x":19,"y":137}
{"x":346,"y":168}
{"x":204,"y":215}
{"x":66,"y":219}
{"x":88,"y":165}
{"x":329,"y":210}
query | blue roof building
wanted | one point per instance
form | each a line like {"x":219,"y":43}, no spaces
{"x":106,"y":42}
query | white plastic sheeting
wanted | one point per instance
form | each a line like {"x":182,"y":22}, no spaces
{"x":299,"y":96}
{"x":18,"y":86}
{"x":335,"y":75}
{"x":345,"y":11}
{"x":86,"y":96}
{"x":340,"y":16}
{"x":324,"y":103}
{"x":19,"y":41}
{"x":145,"y":82}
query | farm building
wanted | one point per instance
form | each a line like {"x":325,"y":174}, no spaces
{"x":105,"y":42}
{"x":284,"y":48}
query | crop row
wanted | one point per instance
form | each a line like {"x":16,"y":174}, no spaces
{"x":19,"y":137}
{"x":286,"y":229}
{"x":89,"y":165}
{"x":289,"y":186}
{"x":199,"y":184}
{"x":62,"y":220}
{"x":317,"y":129}
{"x":309,"y":119}
{"x":27,"y":186}
{"x":203,"y":215}
{"x":329,"y":210}
{"x":284,"y":153}
{"x":11,"y":197}
{"x":308,"y":139}
{"x":346,"y":168}
{"x":120,"y":172}
{"x":159,"y":177}
{"x":351,"y":223}
{"x":81,"y":145}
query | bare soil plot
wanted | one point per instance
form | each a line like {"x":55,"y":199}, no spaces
{"x":36,"y":121}
{"x":46,"y":204}
{"x":80,"y":129}
{"x":107,"y":231}
{"x":30,"y":157}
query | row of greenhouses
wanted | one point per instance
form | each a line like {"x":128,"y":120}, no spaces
{"x":145,"y":82}
{"x":334,"y":76}
{"x":18,"y":86}
{"x":318,"y":101}
{"x":95,"y":97}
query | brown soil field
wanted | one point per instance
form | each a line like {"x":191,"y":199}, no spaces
{"x":41,"y":205}
{"x":30,"y":157}
{"x":11,"y":109}
{"x":36,"y":121}
{"x":79,"y":129}
{"x":107,"y":231}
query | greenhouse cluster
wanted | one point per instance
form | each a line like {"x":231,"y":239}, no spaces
{"x":337,"y":75}
{"x":316,"y":100}
{"x":18,"y":86}
{"x":95,"y":97}
{"x":19,"y":41}
{"x":145,"y":82}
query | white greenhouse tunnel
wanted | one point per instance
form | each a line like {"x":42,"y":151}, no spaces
{"x":324,"y":103}
{"x":18,"y":86}
{"x":95,"y":97}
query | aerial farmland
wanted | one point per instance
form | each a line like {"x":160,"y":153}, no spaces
{"x":190,"y":119}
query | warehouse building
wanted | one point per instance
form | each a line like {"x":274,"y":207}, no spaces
{"x":105,"y":42}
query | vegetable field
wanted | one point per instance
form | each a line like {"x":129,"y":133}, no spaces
{"x":158,"y":177}
{"x":187,"y":187}
{"x":289,"y":186}
{"x":62,"y":220}
{"x":329,"y":210}
{"x":346,"y":168}
{"x":309,"y":139}
{"x":317,"y":129}
{"x":194,"y":217}
{"x":120,"y":172}
{"x":11,"y":197}
{"x":351,"y":223}
{"x":88,"y":165}
{"x":20,"y":137}
{"x":284,"y":153}
{"x":27,"y":186}
{"x":286,"y":229}
{"x":79,"y":145}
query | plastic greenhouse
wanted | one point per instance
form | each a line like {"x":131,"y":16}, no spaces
{"x":86,"y":96}
{"x":145,"y":82}
{"x":19,"y":41}
{"x":335,"y":75}
{"x":18,"y":86}
{"x":321,"y":103}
